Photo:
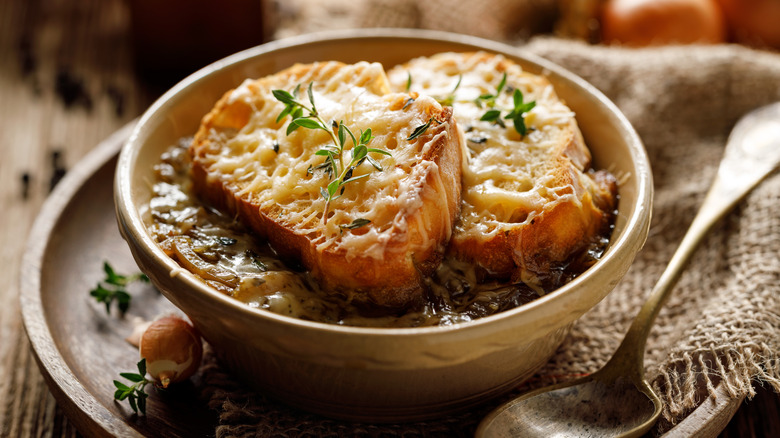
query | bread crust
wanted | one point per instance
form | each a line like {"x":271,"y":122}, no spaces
{"x":391,"y":279}
{"x":577,"y":204}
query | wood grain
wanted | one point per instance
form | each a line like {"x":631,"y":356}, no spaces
{"x":66,"y":83}
{"x":80,"y":346}
{"x":83,"y":47}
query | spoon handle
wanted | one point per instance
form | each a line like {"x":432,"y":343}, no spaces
{"x":752,"y":153}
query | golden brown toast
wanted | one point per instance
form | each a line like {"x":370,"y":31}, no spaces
{"x":529,"y":201}
{"x":245,"y":163}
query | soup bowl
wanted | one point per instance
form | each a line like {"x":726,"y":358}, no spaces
{"x":379,"y":374}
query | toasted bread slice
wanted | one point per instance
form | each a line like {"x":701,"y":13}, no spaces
{"x":529,"y":201}
{"x":245,"y":163}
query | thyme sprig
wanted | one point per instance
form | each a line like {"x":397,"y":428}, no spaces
{"x":490,"y":99}
{"x":135,"y":394}
{"x":357,"y":223}
{"x":516,"y":114}
{"x":420,"y":130}
{"x":339,"y":170}
{"x":113,"y":288}
{"x":450,"y":98}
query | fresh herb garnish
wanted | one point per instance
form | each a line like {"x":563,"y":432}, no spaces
{"x":494,"y":116}
{"x":256,"y":261}
{"x":445,"y":101}
{"x":490,"y":99}
{"x":335,"y":165}
{"x":112,"y":288}
{"x":516,"y":114}
{"x":420,"y":130}
{"x":135,"y":394}
{"x":357,"y":223}
{"x":449,"y":99}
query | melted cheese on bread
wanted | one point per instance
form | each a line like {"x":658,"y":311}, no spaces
{"x":528,"y":202}
{"x":244,"y":161}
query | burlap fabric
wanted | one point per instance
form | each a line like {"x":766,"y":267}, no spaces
{"x":721,"y":326}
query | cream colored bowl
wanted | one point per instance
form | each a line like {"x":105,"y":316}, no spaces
{"x":370,"y":373}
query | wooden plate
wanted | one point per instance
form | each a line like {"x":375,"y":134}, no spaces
{"x":80,"y":349}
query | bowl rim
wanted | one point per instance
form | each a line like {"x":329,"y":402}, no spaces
{"x":131,"y":222}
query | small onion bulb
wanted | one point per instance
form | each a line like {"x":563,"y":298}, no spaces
{"x":657,"y":22}
{"x":172,"y":349}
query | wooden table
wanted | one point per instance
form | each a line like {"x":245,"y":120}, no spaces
{"x":67,"y":81}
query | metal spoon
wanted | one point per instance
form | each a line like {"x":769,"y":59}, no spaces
{"x":617,"y":400}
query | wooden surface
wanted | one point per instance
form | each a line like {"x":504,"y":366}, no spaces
{"x":78,"y":344}
{"x":66,"y":83}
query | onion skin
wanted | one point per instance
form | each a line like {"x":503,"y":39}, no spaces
{"x":753,"y":22}
{"x":172,"y":349}
{"x":656,"y":22}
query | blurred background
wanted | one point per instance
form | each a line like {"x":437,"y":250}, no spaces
{"x":73,"y":72}
{"x":203,"y":31}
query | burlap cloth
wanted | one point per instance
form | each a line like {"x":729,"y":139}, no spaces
{"x":721,"y":326}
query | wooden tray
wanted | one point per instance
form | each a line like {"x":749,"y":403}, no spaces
{"x":80,"y":349}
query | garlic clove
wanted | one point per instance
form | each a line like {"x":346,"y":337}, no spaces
{"x":139,"y":327}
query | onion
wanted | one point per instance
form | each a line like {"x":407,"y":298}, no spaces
{"x":172,"y":349}
{"x":656,"y":22}
{"x":754,"y":22}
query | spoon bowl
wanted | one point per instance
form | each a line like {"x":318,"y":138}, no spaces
{"x":617,"y":401}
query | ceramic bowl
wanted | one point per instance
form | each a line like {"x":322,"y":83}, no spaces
{"x":379,"y":374}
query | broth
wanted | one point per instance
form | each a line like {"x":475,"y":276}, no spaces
{"x":227,"y":256}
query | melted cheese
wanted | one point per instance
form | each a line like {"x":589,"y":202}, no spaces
{"x":507,"y":179}
{"x":242,"y":156}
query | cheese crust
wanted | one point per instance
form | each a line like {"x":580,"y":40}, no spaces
{"x":243,"y":162}
{"x":528,"y":202}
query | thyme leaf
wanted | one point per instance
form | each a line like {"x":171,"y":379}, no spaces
{"x":357,"y":223}
{"x":420,"y":130}
{"x":113,"y":288}
{"x":520,"y":108}
{"x":491,"y":115}
{"x":450,"y":98}
{"x":135,"y":394}
{"x":256,"y":260}
{"x":338,"y":170}
{"x":516,"y":114}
